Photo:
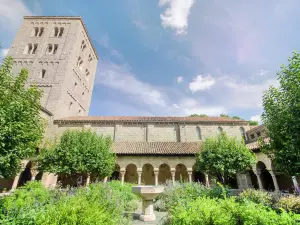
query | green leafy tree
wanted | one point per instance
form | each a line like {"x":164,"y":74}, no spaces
{"x":224,"y":115}
{"x":253,"y":123}
{"x":281,"y":117}
{"x":236,"y":117}
{"x":21,"y":127}
{"x":79,"y":152}
{"x":198,"y":115}
{"x":224,"y":156}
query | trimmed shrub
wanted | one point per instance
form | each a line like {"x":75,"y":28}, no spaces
{"x":256,"y":196}
{"x":289,"y":203}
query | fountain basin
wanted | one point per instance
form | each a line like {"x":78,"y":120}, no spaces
{"x":147,"y":193}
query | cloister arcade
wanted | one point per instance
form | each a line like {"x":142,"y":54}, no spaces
{"x":156,"y":170}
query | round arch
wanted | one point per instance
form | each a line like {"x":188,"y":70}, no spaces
{"x":116,"y":174}
{"x":164,"y":173}
{"x":131,"y":175}
{"x":266,"y":177}
{"x":198,"y":176}
{"x":148,"y":177}
{"x":181,"y":173}
{"x":25,"y":175}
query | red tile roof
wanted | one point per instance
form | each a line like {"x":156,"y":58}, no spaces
{"x":156,"y":148}
{"x":150,"y":119}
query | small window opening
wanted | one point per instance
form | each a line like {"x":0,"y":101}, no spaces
{"x":34,"y":48}
{"x":61,"y":31}
{"x":56,"y":31}
{"x":55,"y":48}
{"x":41,"y":31}
{"x":70,"y":105}
{"x":198,"y":131}
{"x":43,"y":74}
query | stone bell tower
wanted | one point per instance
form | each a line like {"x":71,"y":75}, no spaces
{"x":61,"y":60}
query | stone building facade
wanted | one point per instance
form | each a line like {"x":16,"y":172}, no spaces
{"x":62,"y":61}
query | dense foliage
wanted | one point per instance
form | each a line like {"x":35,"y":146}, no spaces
{"x":256,"y":196}
{"x":224,"y":156}
{"x":253,"y":123}
{"x":33,"y":204}
{"x":182,"y":193}
{"x":207,"y":211}
{"x":124,"y":192}
{"x":80,"y":151}
{"x":21,"y":125}
{"x":281,"y":117}
{"x":198,"y":115}
{"x":289,"y":203}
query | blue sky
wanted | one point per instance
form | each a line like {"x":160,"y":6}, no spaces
{"x":176,"y":57}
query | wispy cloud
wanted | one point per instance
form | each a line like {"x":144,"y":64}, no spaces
{"x":140,"y":24}
{"x":256,"y":118}
{"x":179,"y":79}
{"x":11,"y":14}
{"x":4,"y":52}
{"x":121,"y":79}
{"x":176,"y":14}
{"x":201,"y":83}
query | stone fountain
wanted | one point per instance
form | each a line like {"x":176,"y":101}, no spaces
{"x":147,"y":193}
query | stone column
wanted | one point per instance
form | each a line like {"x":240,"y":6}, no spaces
{"x":156,"y":171}
{"x":274,"y":180}
{"x":15,"y":183}
{"x":139,"y":172}
{"x":173,"y":171}
{"x":88,"y":179}
{"x":190,"y":176}
{"x":147,"y":211}
{"x":258,"y":175}
{"x":33,"y":173}
{"x":206,"y":180}
{"x":105,"y":179}
{"x":122,"y":172}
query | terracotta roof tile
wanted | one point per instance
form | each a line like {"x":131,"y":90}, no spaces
{"x":156,"y":148}
{"x":149,"y":119}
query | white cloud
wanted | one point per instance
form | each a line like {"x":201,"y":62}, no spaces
{"x":176,"y":15}
{"x":256,"y":118}
{"x":11,"y":14}
{"x":4,"y":52}
{"x":243,"y":95}
{"x":190,"y":106}
{"x":179,"y":79}
{"x":140,"y":24}
{"x":263,"y":72}
{"x":121,"y":79}
{"x":201,"y":83}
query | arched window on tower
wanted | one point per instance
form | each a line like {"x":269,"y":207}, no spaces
{"x":198,"y":132}
{"x":220,"y":131}
{"x":243,"y":134}
{"x":70,"y":105}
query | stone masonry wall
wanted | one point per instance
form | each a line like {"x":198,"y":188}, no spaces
{"x":156,"y":132}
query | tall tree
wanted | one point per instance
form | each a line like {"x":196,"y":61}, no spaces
{"x":79,"y":152}
{"x":281,"y":117}
{"x":224,"y":156}
{"x":21,"y":127}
